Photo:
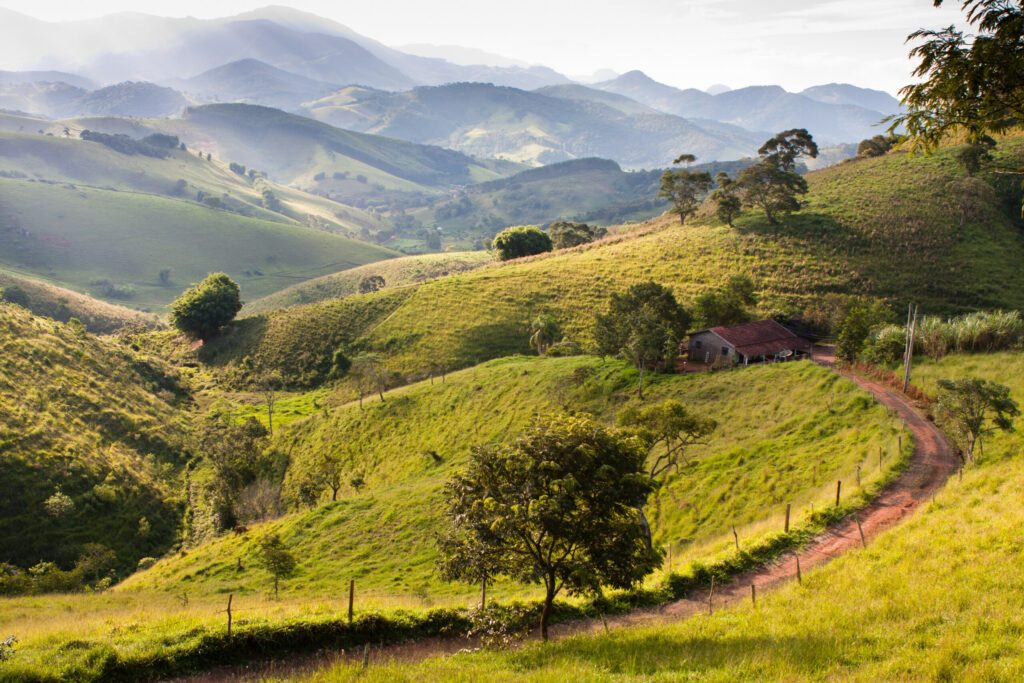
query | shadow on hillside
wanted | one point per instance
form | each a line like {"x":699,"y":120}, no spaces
{"x":662,"y":653}
{"x":237,"y":338}
{"x":809,"y":226}
{"x":489,"y":341}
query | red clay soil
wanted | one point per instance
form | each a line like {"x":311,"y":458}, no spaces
{"x":932,"y":463}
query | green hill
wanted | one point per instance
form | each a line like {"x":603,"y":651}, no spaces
{"x":397,"y":272}
{"x":99,"y":424}
{"x":62,"y":304}
{"x":936,"y":598}
{"x":113,"y":244}
{"x":898,"y":227}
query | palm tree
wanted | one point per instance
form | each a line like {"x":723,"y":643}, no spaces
{"x":544,"y":331}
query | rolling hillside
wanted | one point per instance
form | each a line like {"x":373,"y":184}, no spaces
{"x":50,"y":301}
{"x":255,"y":82}
{"x":397,"y":272}
{"x":529,"y":127}
{"x":936,"y":598}
{"x":898,"y":227}
{"x":114,"y":244}
{"x":95,"y":422}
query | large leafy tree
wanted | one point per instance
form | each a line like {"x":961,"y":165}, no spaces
{"x":558,"y":506}
{"x":783,"y":150}
{"x":772,"y":184}
{"x":726,"y":197}
{"x":521,"y":240}
{"x":971,"y":82}
{"x":727,"y":305}
{"x":975,"y":407}
{"x":205,"y":308}
{"x":667,"y":429}
{"x":643,"y":324}
{"x":566,"y":234}
{"x":684,"y":188}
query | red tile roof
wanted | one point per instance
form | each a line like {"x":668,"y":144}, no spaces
{"x":761,"y":338}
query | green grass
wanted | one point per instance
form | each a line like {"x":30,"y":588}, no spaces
{"x":73,"y":237}
{"x":936,"y":599}
{"x":885,"y":227}
{"x":62,"y":304}
{"x":95,"y":420}
{"x":396,"y":272}
{"x":789,"y":449}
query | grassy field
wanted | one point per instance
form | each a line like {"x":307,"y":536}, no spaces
{"x":809,"y":427}
{"x":80,"y":237}
{"x":937,"y":599}
{"x":100,"y":424}
{"x":62,"y":304}
{"x":396,"y":272}
{"x":896,"y":227}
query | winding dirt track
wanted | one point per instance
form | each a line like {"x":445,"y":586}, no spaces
{"x":932,"y":463}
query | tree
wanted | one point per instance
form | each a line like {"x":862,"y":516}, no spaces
{"x":726,"y":197}
{"x":270,"y":383}
{"x":235,"y":452}
{"x":643,"y":324}
{"x":371,"y":283}
{"x":876,"y":146}
{"x":785,"y":148}
{"x":970,"y":82}
{"x":728,"y":305}
{"x":558,"y":506}
{"x":275,"y":558}
{"x":975,"y":154}
{"x":59,"y":504}
{"x":856,"y":322}
{"x":975,"y":407}
{"x":205,"y":308}
{"x":566,"y":234}
{"x":771,"y":189}
{"x":521,"y":240}
{"x":544,"y":332}
{"x":667,"y":429}
{"x":165,"y":277}
{"x":684,"y":189}
{"x":368,"y":371}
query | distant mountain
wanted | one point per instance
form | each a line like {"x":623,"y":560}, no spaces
{"x":552,"y":125}
{"x":132,"y":100}
{"x":253,"y":81}
{"x":762,"y":108}
{"x":43,"y":98}
{"x":463,"y":56}
{"x":843,"y":93}
{"x":717,"y":89}
{"x":26,"y":77}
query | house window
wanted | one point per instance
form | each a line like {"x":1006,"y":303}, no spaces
{"x":697,"y":344}
{"x":725,"y":350}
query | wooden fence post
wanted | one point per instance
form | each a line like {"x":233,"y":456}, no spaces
{"x":901,"y":443}
{"x":366,"y":655}
{"x":736,"y":537}
{"x":483,"y":593}
{"x":753,"y":595}
{"x":230,"y":598}
{"x":351,"y":598}
{"x":863,"y":543}
{"x":839,"y":488}
{"x":670,"y":557}
{"x":799,"y":576}
{"x":788,"y":506}
{"x":711,"y":593}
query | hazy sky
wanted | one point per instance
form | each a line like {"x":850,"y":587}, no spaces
{"x":795,"y":43}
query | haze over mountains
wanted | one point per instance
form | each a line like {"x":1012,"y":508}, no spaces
{"x":299,"y":62}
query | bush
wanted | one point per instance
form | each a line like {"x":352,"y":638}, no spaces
{"x":146,"y":563}
{"x":521,"y":240}
{"x":208,"y":306}
{"x":564,"y":348}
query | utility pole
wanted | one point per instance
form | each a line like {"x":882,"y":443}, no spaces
{"x":908,"y":353}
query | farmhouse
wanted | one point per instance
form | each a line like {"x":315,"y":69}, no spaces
{"x":755,"y":342}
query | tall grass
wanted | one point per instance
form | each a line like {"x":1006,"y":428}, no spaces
{"x":936,"y":337}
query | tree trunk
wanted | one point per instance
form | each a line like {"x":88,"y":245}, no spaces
{"x":334,"y":493}
{"x":275,"y":587}
{"x":545,"y":615}
{"x":640,"y":388}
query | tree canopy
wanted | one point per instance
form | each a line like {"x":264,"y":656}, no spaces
{"x":276,"y":559}
{"x":730,"y":304}
{"x":684,"y":188}
{"x":643,"y":324}
{"x":972,"y":82}
{"x":566,"y":234}
{"x":521,"y":240}
{"x":558,"y":506}
{"x":975,"y":407}
{"x":202,"y":310}
{"x":726,"y":197}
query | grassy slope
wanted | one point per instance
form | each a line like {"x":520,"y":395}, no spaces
{"x":383,"y":536}
{"x":887,"y":227}
{"x":74,"y":236}
{"x":62,"y":304}
{"x":78,"y":413}
{"x":938,"y":599}
{"x":785,"y":451}
{"x":396,"y":272}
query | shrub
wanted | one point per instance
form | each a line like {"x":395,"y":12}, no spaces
{"x":521,"y":240}
{"x":564,"y":348}
{"x":208,"y":306}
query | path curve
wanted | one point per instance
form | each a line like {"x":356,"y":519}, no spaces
{"x":931,"y":464}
